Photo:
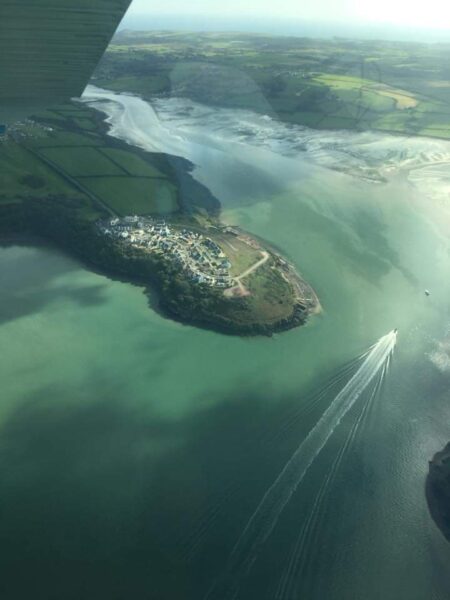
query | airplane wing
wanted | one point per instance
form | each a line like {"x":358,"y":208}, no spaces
{"x":49,"y":49}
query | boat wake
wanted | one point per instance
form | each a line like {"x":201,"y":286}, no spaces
{"x":305,"y":548}
{"x":265,"y":517}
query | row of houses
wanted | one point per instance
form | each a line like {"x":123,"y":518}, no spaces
{"x":202,"y":259}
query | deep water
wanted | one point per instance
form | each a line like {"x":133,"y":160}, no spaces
{"x":133,"y":450}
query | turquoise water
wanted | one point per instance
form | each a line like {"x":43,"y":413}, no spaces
{"x":134,"y":449}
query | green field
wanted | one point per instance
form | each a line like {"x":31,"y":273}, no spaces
{"x":241,"y":255}
{"x":82,"y":161}
{"x":325,"y":84}
{"x":132,"y":163}
{"x":68,"y":154}
{"x":23,"y":175}
{"x":134,"y":195}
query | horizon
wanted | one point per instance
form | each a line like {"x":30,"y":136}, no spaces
{"x":435,"y":14}
{"x":383,"y":19}
{"x":283,"y":26}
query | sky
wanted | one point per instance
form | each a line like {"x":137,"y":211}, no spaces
{"x":434,"y":14}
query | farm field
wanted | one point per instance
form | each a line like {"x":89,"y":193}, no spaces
{"x":66,"y":152}
{"x":325,"y":84}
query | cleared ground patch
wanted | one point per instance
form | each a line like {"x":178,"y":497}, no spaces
{"x":342,"y":81}
{"x":241,"y":255}
{"x":369,"y":90}
{"x":403,"y":99}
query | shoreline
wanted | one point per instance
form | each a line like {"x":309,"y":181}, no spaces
{"x":141,"y":273}
{"x":278,"y":297}
{"x":279,"y":117}
{"x":437,"y":490}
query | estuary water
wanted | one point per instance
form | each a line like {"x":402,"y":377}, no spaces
{"x":135,"y":450}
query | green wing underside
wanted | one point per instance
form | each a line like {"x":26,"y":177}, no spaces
{"x":49,"y":49}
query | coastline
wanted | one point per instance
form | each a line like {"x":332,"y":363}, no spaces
{"x":262,"y":297}
{"x":134,"y":269}
{"x":437,"y":490}
{"x":298,"y":278}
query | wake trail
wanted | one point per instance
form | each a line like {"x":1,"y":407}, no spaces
{"x":191,"y":542}
{"x":266,"y":515}
{"x":293,"y":416}
{"x":300,"y":553}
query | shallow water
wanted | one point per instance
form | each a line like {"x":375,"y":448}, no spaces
{"x":134,"y":449}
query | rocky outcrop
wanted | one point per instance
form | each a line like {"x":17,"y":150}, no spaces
{"x":438,"y":490}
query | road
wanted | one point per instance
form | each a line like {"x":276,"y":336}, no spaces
{"x":253,"y":267}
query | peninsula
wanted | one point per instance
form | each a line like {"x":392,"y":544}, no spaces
{"x":142,"y":217}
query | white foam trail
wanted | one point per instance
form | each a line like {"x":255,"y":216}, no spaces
{"x":302,"y":551}
{"x":266,"y":515}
